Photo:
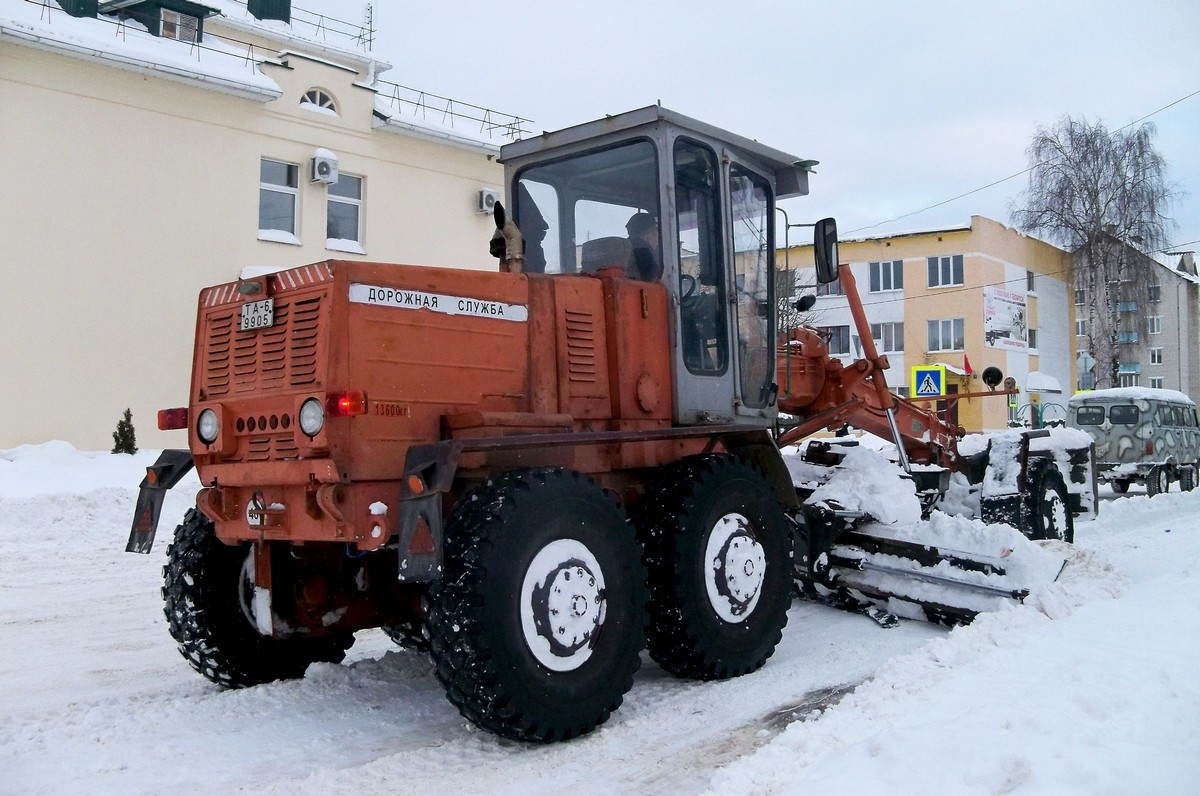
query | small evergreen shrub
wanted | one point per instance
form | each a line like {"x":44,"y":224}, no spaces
{"x":124,"y":439}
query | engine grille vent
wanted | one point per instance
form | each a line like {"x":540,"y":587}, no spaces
{"x":265,"y":360}
{"x":581,"y":346}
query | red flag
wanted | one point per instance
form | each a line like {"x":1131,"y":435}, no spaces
{"x":967,"y":365}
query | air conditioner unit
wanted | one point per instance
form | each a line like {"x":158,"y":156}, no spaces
{"x":487,"y":200}
{"x":325,"y":169}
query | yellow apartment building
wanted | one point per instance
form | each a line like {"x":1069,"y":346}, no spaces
{"x":965,"y":298}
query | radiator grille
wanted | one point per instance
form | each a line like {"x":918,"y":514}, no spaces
{"x":284,"y":356}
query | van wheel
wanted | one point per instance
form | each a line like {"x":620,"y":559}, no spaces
{"x":537,"y":622}
{"x":719,"y":557}
{"x":1187,"y":478}
{"x":1158,"y":480}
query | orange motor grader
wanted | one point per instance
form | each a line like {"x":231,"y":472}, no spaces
{"x":532,"y":473}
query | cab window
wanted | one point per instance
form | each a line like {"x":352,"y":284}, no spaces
{"x":750,"y":204}
{"x":703,"y":317}
{"x":577,"y":213}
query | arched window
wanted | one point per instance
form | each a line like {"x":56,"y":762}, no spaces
{"x":316,"y":99}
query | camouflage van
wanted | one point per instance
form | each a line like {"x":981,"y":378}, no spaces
{"x":1142,"y":436}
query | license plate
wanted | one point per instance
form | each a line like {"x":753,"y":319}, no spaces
{"x":258,"y":314}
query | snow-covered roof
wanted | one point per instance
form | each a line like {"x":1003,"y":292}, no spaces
{"x":1131,"y":394}
{"x":1042,"y":382}
{"x":128,"y":45}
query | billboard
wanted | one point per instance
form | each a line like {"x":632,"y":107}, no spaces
{"x":1005,"y":319}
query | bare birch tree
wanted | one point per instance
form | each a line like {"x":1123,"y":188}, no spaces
{"x":1104,"y":197}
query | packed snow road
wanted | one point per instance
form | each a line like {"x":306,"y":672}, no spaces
{"x":1091,"y":687}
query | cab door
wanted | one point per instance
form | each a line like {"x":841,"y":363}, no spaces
{"x":704,"y":376}
{"x":724,"y":367}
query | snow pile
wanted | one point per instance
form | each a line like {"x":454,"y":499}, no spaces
{"x":866,"y":481}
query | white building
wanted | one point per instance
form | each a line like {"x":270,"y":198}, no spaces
{"x":159,"y":146}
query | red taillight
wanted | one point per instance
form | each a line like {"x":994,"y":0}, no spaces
{"x":348,"y":403}
{"x":170,"y":419}
{"x":1149,"y":448}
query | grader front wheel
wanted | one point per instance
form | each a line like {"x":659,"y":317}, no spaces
{"x":719,"y":555}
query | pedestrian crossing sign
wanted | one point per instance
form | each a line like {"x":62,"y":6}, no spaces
{"x":928,"y":381}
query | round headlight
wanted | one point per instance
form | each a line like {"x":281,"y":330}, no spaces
{"x":207,"y":426}
{"x":312,"y":417}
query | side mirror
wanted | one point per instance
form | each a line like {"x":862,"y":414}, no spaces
{"x":825,"y":250}
{"x":805,"y":303}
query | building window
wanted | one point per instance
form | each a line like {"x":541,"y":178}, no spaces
{"x":1080,"y":296}
{"x":1081,"y":327}
{"x":833,"y":288}
{"x":1029,"y":282}
{"x":1156,"y":382}
{"x":343,"y":227}
{"x":946,"y":335}
{"x":1129,"y":380}
{"x":182,"y":27}
{"x":316,"y":99}
{"x":889,"y":337}
{"x":945,"y":271}
{"x":1154,"y":324}
{"x":839,"y":339}
{"x":1156,"y":356}
{"x":278,"y":191}
{"x":1031,"y":339}
{"x":1155,"y":293}
{"x":887,"y":276}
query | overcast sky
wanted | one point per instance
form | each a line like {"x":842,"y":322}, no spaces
{"x":905,"y":105}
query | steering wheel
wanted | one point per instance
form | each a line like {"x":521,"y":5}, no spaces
{"x":687,"y":284}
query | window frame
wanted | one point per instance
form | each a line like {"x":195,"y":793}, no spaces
{"x":319,"y":100}
{"x":1156,"y":355}
{"x":894,"y":271}
{"x":957,"y":334}
{"x":952,"y":266}
{"x":331,"y":198}
{"x":839,"y":333}
{"x":280,"y":234}
{"x":1154,"y":324}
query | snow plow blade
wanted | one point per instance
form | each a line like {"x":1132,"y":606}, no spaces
{"x":887,"y":577}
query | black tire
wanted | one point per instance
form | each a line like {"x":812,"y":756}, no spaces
{"x":410,"y":634}
{"x":1158,"y":480}
{"x":719,"y":556}
{"x":206,"y":595}
{"x":1121,"y":486}
{"x":1187,"y":478}
{"x":536,"y":624}
{"x":1050,"y":508}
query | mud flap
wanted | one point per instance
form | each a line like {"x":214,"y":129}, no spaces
{"x":172,"y":465}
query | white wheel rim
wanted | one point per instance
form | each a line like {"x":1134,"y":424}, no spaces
{"x":737,"y":566}
{"x":562,"y":605}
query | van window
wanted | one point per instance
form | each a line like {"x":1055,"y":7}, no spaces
{"x":1125,"y":414}
{"x":1090,"y":416}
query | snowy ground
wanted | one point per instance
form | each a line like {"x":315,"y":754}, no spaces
{"x":1092,"y":687}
